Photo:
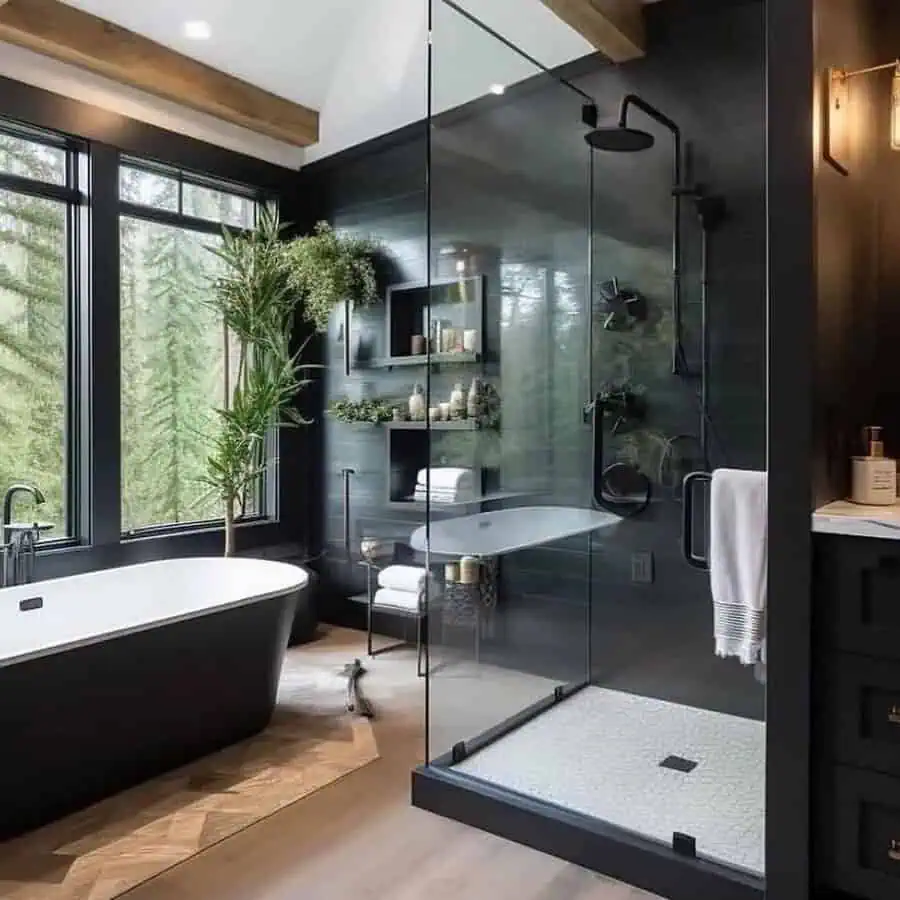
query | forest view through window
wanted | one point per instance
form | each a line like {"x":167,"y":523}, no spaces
{"x":36,"y":195}
{"x":173,"y":344}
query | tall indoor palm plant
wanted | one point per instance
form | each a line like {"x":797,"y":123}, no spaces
{"x":256,"y":300}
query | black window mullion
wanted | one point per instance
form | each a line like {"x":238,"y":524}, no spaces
{"x":76,"y":312}
{"x":34,"y":188}
{"x":165,"y":217}
{"x":104,"y":350}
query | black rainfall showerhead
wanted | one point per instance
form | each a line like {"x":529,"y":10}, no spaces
{"x":620,"y":139}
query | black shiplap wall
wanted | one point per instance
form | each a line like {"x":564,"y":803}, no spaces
{"x":857,"y":234}
{"x":511,"y":173}
{"x":847,"y":264}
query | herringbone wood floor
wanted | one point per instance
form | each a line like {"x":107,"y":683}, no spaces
{"x":112,"y":847}
{"x":359,"y":838}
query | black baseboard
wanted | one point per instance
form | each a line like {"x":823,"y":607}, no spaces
{"x":578,"y":839}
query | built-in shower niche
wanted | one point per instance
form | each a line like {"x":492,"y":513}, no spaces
{"x":413,"y":447}
{"x":442,"y":322}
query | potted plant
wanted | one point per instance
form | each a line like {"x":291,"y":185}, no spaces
{"x":328,"y":268}
{"x":255,"y":296}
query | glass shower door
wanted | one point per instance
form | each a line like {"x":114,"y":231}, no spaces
{"x":508,"y":447}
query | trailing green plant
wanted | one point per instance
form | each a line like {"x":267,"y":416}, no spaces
{"x":373,"y":412}
{"x":328,"y":268}
{"x":256,"y":300}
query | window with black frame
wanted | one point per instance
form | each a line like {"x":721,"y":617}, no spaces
{"x":40,"y":244}
{"x":173,"y":342}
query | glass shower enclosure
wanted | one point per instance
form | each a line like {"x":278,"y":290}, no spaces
{"x":572,"y":682}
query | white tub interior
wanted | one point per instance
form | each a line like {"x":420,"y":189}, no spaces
{"x":84,"y":609}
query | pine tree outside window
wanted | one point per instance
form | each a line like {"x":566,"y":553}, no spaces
{"x":39,"y":241}
{"x":172,"y":344}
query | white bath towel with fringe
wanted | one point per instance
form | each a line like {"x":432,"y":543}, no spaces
{"x":738,"y":562}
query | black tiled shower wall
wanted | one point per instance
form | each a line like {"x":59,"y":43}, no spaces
{"x":511,"y":174}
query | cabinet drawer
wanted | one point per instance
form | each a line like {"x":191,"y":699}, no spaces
{"x":865,"y":834}
{"x":862,"y":712}
{"x":859,"y":581}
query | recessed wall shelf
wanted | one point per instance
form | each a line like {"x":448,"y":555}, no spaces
{"x":456,"y":506}
{"x":452,"y":309}
{"x":458,"y":425}
{"x":435,"y":359}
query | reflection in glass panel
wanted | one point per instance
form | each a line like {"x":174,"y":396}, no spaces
{"x":33,"y":340}
{"x":30,"y":159}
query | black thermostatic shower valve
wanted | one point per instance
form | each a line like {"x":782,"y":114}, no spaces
{"x":621,"y":307}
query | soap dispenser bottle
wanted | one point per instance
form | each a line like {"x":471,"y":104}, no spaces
{"x":874,"y":477}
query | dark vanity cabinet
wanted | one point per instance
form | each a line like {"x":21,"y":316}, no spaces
{"x":856,"y":814}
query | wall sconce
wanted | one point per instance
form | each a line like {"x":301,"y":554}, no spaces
{"x":834,"y":131}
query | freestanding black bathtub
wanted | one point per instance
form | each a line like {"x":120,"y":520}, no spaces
{"x":110,"y":678}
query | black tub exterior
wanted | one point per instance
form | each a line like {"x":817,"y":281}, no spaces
{"x":85,"y":723}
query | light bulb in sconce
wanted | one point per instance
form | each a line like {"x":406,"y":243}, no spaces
{"x":895,"y":110}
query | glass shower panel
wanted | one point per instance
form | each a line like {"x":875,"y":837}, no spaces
{"x":596,"y":322}
{"x":508,"y":447}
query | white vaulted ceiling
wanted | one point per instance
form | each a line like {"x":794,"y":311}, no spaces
{"x":361,"y":63}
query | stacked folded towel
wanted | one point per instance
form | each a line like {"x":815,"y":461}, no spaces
{"x":445,"y":485}
{"x":403,"y":588}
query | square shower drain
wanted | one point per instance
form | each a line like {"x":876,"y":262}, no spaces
{"x":678,"y":764}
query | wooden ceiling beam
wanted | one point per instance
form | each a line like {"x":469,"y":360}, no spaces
{"x":73,"y":36}
{"x":614,"y":27}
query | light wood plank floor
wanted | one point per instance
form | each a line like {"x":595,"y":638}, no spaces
{"x":360,"y":839}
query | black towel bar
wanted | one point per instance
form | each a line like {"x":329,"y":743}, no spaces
{"x":688,"y":543}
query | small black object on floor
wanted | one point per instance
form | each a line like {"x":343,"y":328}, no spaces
{"x":356,"y":702}
{"x":678,"y":764}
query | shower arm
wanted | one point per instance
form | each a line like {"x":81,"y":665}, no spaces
{"x":679,"y":366}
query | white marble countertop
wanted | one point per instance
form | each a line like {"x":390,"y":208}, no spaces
{"x":856,"y":520}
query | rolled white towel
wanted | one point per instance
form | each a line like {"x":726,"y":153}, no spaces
{"x":403,"y":578}
{"x":386,"y":598}
{"x":445,"y":478}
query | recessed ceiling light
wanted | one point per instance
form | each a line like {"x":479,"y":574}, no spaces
{"x":498,"y":89}
{"x":197,"y":30}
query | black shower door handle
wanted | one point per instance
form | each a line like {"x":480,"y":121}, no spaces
{"x":347,"y":474}
{"x":597,"y":409}
{"x":688,"y":518}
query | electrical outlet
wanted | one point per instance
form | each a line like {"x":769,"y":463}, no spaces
{"x":642,"y":567}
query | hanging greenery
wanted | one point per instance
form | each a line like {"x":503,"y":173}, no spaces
{"x":372,"y":412}
{"x":328,"y":268}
